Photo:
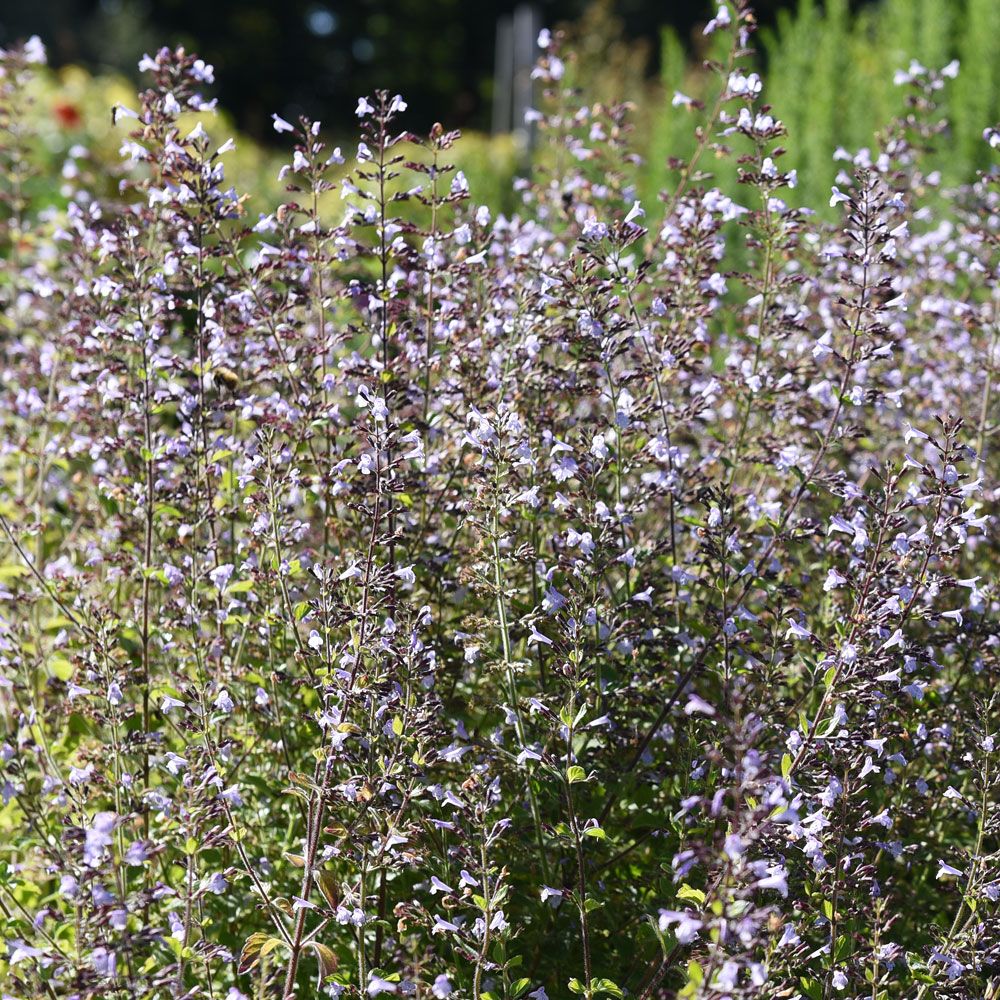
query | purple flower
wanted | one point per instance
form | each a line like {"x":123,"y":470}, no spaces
{"x":220,"y":576}
{"x":948,"y":872}
{"x":98,"y":837}
{"x":216,"y":883}
{"x":721,"y":20}
{"x":438,"y":886}
{"x":684,"y":926}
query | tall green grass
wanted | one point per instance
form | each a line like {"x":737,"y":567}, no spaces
{"x":828,"y":74}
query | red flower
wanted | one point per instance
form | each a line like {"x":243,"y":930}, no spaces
{"x":68,"y":115}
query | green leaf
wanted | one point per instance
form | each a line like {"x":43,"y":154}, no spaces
{"x":842,"y":950}
{"x":519,"y":987}
{"x":251,"y":951}
{"x":689,"y":892}
{"x":696,"y":974}
{"x":61,"y":668}
{"x":811,"y":988}
{"x":575,"y":774}
{"x":607,"y":986}
{"x":786,"y":765}
{"x":269,"y":945}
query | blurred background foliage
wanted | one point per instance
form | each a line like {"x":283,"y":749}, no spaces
{"x":316,"y":56}
{"x":828,"y":67}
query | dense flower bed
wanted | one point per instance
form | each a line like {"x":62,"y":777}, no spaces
{"x":435,"y":604}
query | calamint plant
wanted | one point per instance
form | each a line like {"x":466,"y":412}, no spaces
{"x":399,"y":598}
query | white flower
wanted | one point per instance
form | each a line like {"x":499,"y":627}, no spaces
{"x":797,"y":631}
{"x":34,"y":50}
{"x":744,"y":86}
{"x":548,"y":893}
{"x":699,"y":706}
{"x":635,"y":212}
{"x":721,"y":20}
{"x":838,"y":196}
{"x":776,"y":878}
{"x":685,"y":927}
{"x":946,"y":872}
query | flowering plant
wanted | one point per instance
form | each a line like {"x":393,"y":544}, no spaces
{"x":435,"y":604}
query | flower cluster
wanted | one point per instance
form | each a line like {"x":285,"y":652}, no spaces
{"x":597,"y":599}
